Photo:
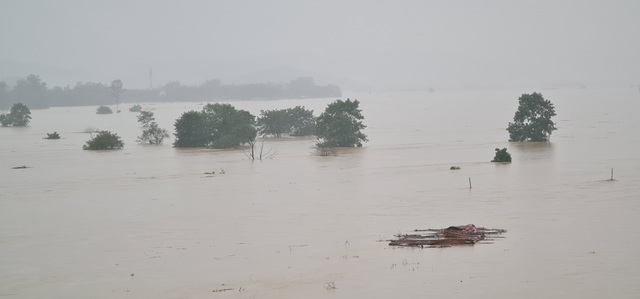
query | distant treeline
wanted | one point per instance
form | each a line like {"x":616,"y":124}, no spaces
{"x":34,"y":93}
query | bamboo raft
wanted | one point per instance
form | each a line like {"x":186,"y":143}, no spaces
{"x":446,"y":237}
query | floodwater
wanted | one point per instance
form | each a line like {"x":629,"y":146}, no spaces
{"x":147,"y":222}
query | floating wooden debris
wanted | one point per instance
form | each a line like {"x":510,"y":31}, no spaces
{"x":446,"y":237}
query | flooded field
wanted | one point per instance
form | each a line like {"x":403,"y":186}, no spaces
{"x":147,"y":222}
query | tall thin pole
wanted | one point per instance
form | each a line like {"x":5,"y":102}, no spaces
{"x":469,"y":182}
{"x":612,"y":174}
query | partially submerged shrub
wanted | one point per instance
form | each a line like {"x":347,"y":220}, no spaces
{"x":135,"y":108}
{"x":104,"y":140}
{"x":104,"y":110}
{"x":53,"y":135}
{"x":502,"y":156}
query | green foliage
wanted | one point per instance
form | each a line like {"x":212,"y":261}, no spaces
{"x":19,"y":116}
{"x":303,"y":123}
{"x":217,"y":125}
{"x":53,"y":135}
{"x":502,"y":156}
{"x":145,"y":118}
{"x":340,"y":125}
{"x":532,"y":121}
{"x":153,"y":134}
{"x":135,"y":108}
{"x":191,"y":130}
{"x":274,"y":122}
{"x":294,"y":121}
{"x":230,"y":127}
{"x":104,"y":140}
{"x":6,"y":120}
{"x":104,"y":110}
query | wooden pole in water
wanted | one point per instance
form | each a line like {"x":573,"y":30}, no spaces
{"x":469,"y":182}
{"x":612,"y":173}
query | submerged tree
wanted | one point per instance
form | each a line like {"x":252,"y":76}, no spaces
{"x":145,"y":118}
{"x":19,"y":116}
{"x":229,"y":127}
{"x":153,"y":134}
{"x":53,"y":135}
{"x":274,"y":122}
{"x":501,"y":156}
{"x":104,"y":110}
{"x":217,"y":126}
{"x":293,"y":121}
{"x":104,"y":140}
{"x":303,"y":123}
{"x":340,"y":125}
{"x":135,"y":108}
{"x":532,"y":121}
{"x":191,"y":130}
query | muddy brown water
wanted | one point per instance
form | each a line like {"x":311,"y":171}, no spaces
{"x":147,"y":222}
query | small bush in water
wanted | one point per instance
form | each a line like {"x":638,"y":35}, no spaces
{"x":53,"y":135}
{"x":104,"y":140}
{"x":502,"y":156}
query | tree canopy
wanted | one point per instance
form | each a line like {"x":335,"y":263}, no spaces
{"x":532,"y":121}
{"x":303,"y":123}
{"x":501,"y":156}
{"x":153,"y":134}
{"x":273,"y":122}
{"x":104,"y":110}
{"x":294,"y":121}
{"x":340,"y":125}
{"x":145,"y":118}
{"x":19,"y":116}
{"x":104,"y":140}
{"x":191,"y":130}
{"x":217,"y":125}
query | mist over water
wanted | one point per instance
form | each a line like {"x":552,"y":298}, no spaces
{"x":147,"y":222}
{"x":357,"y":45}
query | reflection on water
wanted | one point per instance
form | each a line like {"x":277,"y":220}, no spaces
{"x":147,"y":222}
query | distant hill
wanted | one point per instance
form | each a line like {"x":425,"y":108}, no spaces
{"x":282,"y":75}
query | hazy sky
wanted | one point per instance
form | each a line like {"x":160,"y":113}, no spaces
{"x":385,"y":44}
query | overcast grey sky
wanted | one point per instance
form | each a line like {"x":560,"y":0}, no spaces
{"x":385,"y":44}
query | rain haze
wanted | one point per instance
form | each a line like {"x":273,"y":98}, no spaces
{"x":354,"y":44}
{"x":224,"y":208}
